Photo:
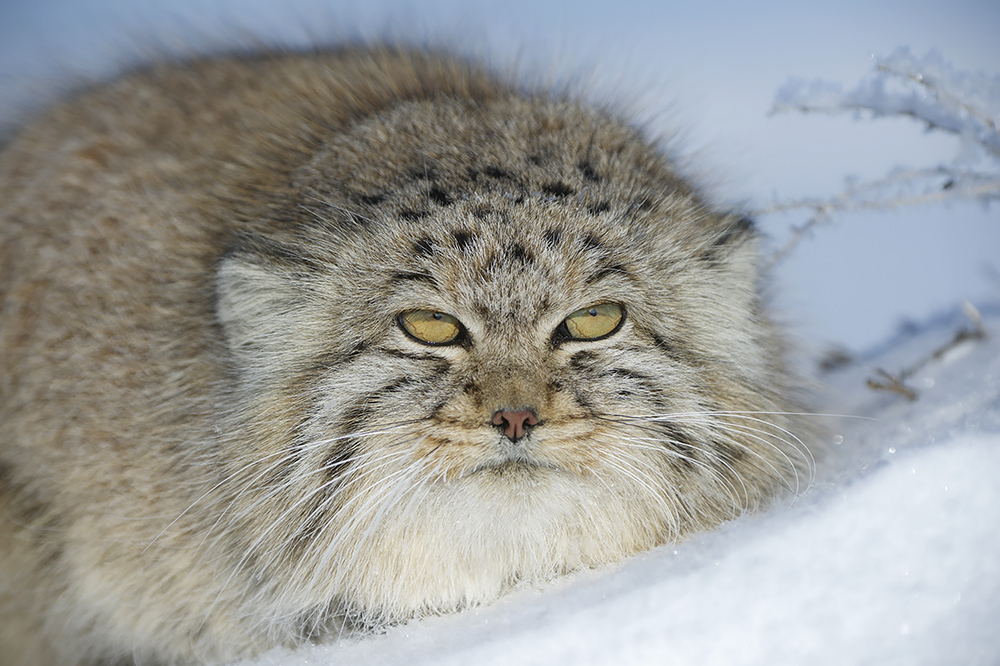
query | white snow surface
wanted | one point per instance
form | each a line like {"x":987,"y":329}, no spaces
{"x":891,"y":557}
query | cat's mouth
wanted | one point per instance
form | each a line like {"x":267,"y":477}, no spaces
{"x":514,"y":468}
{"x":513,"y":461}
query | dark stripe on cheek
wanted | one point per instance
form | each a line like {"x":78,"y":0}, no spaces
{"x":334,"y":359}
{"x":630,"y":374}
{"x":583,"y":360}
{"x":671,"y":349}
{"x":679,"y":442}
{"x":392,"y":387}
{"x":353,"y":418}
{"x":341,"y":458}
{"x":729,"y":451}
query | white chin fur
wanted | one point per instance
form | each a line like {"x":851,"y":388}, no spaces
{"x":465,"y":542}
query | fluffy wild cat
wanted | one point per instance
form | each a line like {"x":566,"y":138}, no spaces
{"x":294,"y":343}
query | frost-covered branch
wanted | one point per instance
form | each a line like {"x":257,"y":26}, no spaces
{"x":927,"y":89}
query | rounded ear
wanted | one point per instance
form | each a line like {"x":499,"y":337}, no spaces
{"x":259,"y":305}
{"x":739,"y":244}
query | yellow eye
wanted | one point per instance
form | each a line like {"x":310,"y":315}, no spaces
{"x":430,"y":327}
{"x":594,"y":322}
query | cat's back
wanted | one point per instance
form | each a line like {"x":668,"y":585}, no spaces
{"x":204,"y":132}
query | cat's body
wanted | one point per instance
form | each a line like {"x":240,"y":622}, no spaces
{"x":223,"y":423}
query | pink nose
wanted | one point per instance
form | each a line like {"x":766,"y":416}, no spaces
{"x":515,"y":424}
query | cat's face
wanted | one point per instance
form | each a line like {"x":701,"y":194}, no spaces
{"x":497,"y":347}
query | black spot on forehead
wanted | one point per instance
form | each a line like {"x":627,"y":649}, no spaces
{"x":482,"y":212}
{"x":463,"y":239}
{"x":639,"y":205}
{"x":439,"y":196}
{"x":518,"y":253}
{"x":424,"y":247}
{"x":498,"y":173}
{"x":552,"y":237}
{"x":588,"y":171}
{"x":413,"y":215}
{"x":557,"y":189}
{"x":592,"y":242}
{"x":598,"y":208}
{"x":333,"y":359}
{"x":371,"y":199}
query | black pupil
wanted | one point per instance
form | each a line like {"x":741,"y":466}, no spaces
{"x":437,"y":315}
{"x":593,"y":312}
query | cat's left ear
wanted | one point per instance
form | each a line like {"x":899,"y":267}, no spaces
{"x":739,"y":231}
{"x":737,"y":246}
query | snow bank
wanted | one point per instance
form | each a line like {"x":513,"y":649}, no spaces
{"x":891,"y":557}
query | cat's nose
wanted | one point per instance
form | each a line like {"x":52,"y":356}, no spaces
{"x":515,"y":424}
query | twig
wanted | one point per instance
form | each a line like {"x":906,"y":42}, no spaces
{"x":895,"y":383}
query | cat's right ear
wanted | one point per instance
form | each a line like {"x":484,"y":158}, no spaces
{"x":260,"y":303}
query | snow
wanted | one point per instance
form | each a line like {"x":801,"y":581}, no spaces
{"x":890,"y":558}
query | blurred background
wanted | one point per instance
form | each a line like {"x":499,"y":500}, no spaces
{"x":702,"y":73}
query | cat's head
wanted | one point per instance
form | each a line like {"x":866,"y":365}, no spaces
{"x":490,"y":342}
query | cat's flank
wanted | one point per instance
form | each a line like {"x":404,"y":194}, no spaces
{"x":293,"y":343}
